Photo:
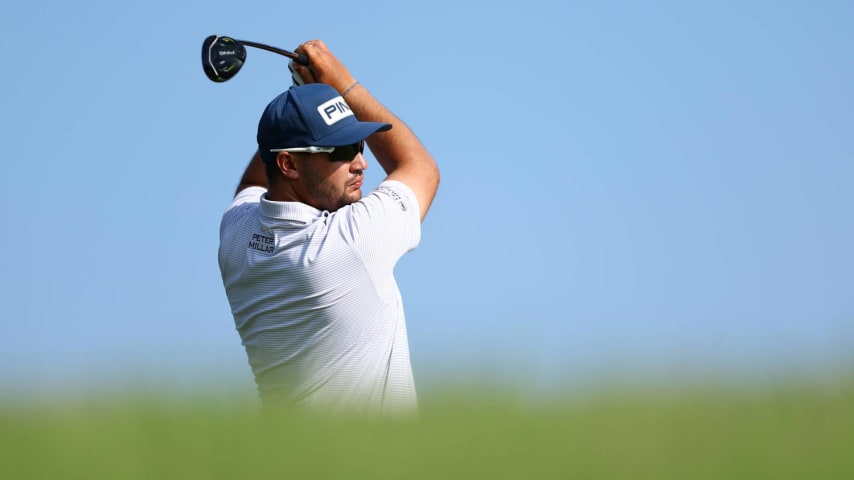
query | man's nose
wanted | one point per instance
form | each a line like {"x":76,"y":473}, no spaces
{"x":359,"y":163}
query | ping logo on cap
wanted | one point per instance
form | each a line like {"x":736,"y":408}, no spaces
{"x":334,"y":110}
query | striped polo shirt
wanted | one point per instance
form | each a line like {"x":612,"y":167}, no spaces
{"x":315,"y":300}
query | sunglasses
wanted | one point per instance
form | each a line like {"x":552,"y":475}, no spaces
{"x":336,"y":154}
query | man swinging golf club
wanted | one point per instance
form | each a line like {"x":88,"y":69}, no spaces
{"x":307,"y":260}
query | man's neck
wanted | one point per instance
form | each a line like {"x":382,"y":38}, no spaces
{"x":280,"y":193}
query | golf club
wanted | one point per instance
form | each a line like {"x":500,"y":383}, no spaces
{"x":222,"y":57}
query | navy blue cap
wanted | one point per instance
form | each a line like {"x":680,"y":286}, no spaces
{"x":311,"y":115}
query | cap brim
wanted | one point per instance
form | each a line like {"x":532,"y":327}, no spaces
{"x":352,"y":133}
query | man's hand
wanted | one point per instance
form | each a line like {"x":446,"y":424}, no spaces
{"x":323,"y":66}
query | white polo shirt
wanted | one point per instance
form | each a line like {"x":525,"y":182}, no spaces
{"x":315,"y":300}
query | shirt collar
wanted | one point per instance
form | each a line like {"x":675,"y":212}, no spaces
{"x":296,"y":211}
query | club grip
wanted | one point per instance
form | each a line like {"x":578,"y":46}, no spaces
{"x":301,"y":59}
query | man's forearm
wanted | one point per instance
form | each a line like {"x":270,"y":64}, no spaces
{"x":398,"y":151}
{"x":254,"y":176}
{"x":391,"y":148}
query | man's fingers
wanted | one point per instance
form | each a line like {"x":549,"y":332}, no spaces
{"x":323,"y":66}
{"x":305,"y":72}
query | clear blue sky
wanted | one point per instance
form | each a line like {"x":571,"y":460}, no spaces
{"x":627,"y":189}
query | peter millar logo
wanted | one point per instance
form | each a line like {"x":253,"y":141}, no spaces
{"x":334,"y":110}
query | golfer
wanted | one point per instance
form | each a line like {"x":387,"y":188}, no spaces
{"x":307,"y":260}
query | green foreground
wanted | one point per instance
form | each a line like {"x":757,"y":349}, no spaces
{"x":714,"y":433}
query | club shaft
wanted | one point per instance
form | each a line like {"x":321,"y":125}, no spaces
{"x":299,"y":58}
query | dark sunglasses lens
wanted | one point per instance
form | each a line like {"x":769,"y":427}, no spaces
{"x":347,"y":152}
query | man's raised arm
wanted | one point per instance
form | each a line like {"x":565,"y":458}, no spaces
{"x":398,"y":150}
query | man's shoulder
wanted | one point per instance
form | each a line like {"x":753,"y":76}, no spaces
{"x":401,"y":195}
{"x":248,"y":195}
{"x":391,"y":201}
{"x":244,"y":202}
{"x":384,"y":223}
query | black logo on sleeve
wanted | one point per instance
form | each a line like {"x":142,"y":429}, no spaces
{"x":262,"y":243}
{"x":396,"y":196}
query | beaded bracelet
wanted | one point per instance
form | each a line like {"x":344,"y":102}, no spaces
{"x":351,"y":87}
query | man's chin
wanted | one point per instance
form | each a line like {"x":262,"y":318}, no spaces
{"x":350,"y":199}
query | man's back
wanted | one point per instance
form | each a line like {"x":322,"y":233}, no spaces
{"x":315,"y":301}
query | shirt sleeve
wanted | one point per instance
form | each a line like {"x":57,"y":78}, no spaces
{"x":383,"y":225}
{"x":243,"y":198}
{"x":248,"y":195}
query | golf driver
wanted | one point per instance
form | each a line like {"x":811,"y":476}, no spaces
{"x":223,"y":56}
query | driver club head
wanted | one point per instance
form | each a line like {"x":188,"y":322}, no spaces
{"x":222,"y":57}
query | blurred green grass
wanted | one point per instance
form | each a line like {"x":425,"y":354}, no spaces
{"x":714,"y":432}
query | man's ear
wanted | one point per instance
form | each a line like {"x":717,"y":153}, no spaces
{"x":287,"y":165}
